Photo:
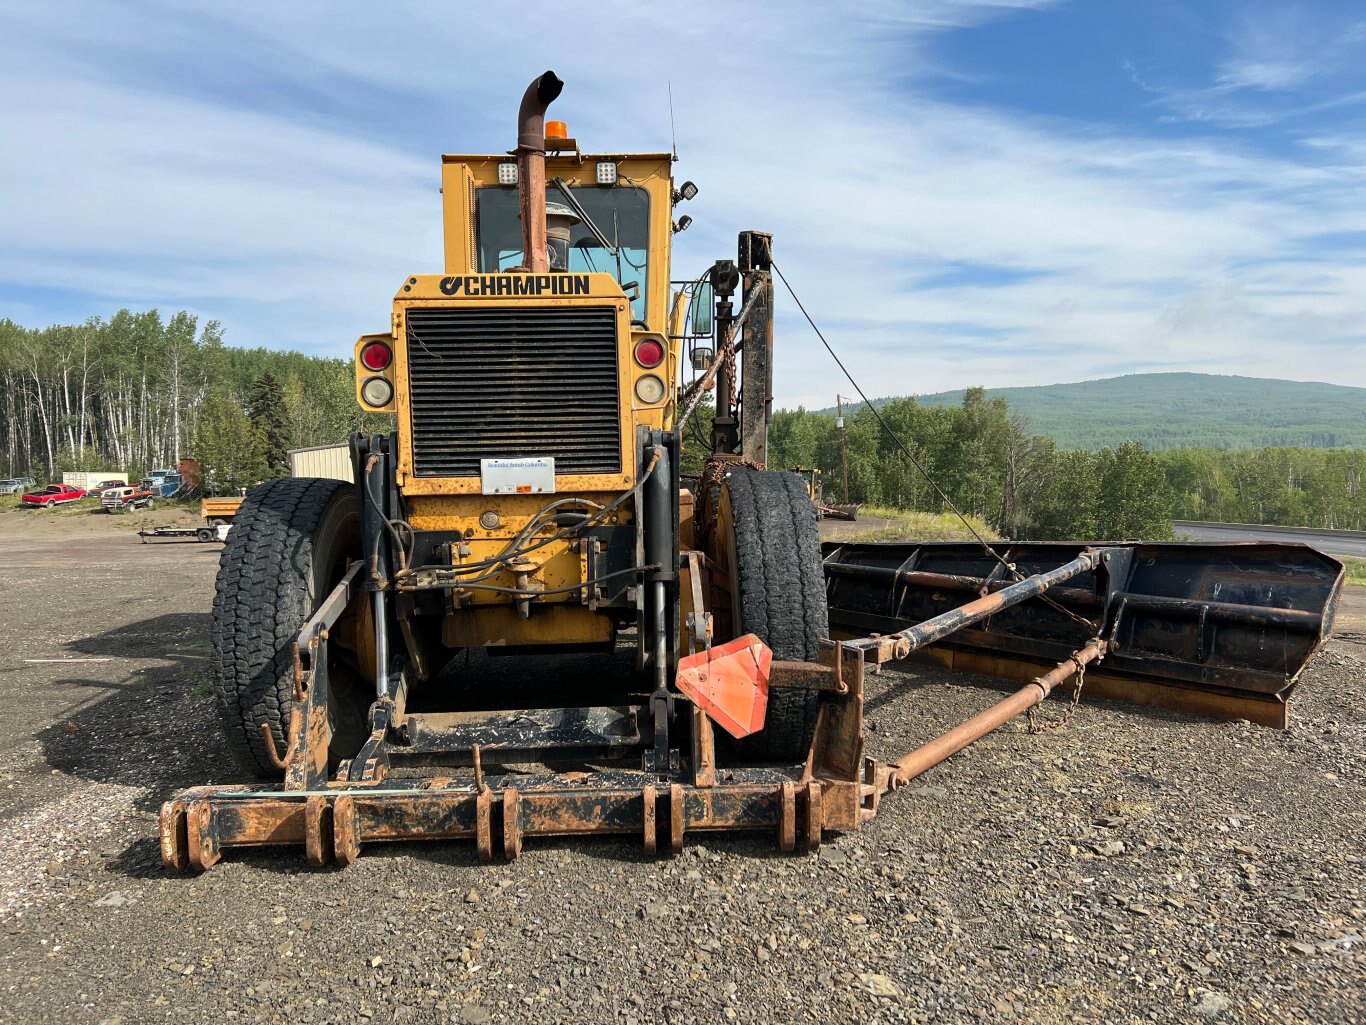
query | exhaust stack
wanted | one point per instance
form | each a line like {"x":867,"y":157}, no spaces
{"x":531,"y":168}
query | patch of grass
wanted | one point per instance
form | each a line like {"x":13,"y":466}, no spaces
{"x":198,"y":682}
{"x":1356,"y":570}
{"x":81,"y":505}
{"x":921,"y":526}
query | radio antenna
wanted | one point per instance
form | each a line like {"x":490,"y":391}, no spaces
{"x":673,"y":134}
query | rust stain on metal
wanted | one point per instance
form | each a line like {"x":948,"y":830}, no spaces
{"x":837,"y":788}
{"x":345,"y":831}
{"x":815,"y":819}
{"x":483,"y":837}
{"x":787,"y":820}
{"x":649,"y":807}
{"x":676,"y":819}
{"x":512,"y":824}
{"x":318,"y":848}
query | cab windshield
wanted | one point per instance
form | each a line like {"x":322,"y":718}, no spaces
{"x":621,"y":213}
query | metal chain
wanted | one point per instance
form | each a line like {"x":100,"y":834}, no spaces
{"x":732,"y":400}
{"x":714,"y":470}
{"x":1037,"y":724}
{"x":709,"y":483}
{"x":1079,"y":620}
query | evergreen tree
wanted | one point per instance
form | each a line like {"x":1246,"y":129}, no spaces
{"x":270,"y":416}
{"x":229,"y":447}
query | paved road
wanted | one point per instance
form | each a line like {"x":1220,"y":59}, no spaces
{"x":1339,"y":542}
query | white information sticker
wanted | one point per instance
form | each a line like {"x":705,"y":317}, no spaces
{"x":529,"y":475}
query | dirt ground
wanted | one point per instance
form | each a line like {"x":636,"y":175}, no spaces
{"x":1135,"y":866}
{"x":79,"y":521}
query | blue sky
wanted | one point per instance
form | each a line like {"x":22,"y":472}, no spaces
{"x":963,"y":191}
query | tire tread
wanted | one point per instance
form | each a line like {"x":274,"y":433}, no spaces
{"x":260,"y":602}
{"x":780,"y":589}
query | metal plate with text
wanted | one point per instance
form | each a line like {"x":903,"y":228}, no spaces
{"x":529,"y":475}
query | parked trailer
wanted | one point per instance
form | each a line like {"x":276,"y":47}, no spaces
{"x":218,"y":533}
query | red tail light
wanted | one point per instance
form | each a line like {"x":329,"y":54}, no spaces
{"x":649,"y":352}
{"x":376,"y":356}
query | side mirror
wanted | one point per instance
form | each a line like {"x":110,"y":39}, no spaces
{"x":700,"y":311}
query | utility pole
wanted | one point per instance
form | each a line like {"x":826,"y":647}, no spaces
{"x":844,"y":451}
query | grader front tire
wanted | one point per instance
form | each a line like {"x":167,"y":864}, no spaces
{"x":289,"y":546}
{"x":768,"y":546}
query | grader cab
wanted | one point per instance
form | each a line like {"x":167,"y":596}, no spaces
{"x":529,"y":505}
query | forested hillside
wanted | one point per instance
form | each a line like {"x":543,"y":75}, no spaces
{"x":139,"y":391}
{"x":988,"y":463}
{"x":988,"y":460}
{"x":1185,"y":411}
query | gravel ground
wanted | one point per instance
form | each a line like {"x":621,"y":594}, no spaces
{"x":844,"y":530}
{"x":1136,"y":866}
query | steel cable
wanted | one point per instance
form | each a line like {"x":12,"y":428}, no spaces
{"x":905,"y":450}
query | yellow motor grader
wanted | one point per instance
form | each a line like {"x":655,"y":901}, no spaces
{"x":528,"y":505}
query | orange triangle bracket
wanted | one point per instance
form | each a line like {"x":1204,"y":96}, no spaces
{"x":729,"y":683}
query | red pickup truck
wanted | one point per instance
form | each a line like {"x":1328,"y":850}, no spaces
{"x":53,"y":494}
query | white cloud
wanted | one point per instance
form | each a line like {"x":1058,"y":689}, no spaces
{"x":278,"y":162}
{"x":1274,"y":59}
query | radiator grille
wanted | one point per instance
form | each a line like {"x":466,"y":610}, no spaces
{"x":504,"y":382}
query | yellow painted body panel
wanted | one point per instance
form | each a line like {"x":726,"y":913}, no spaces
{"x":478,"y":618}
{"x":462,"y":174}
{"x":426,"y":290}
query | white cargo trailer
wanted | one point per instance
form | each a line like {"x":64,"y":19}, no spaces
{"x":322,"y":461}
{"x":88,"y":479}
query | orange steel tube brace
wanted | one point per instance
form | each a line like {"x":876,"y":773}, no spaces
{"x":929,"y":755}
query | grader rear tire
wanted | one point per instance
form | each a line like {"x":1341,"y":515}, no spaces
{"x":769,"y":553}
{"x":289,"y":546}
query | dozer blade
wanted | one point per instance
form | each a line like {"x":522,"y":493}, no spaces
{"x":1220,"y":630}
